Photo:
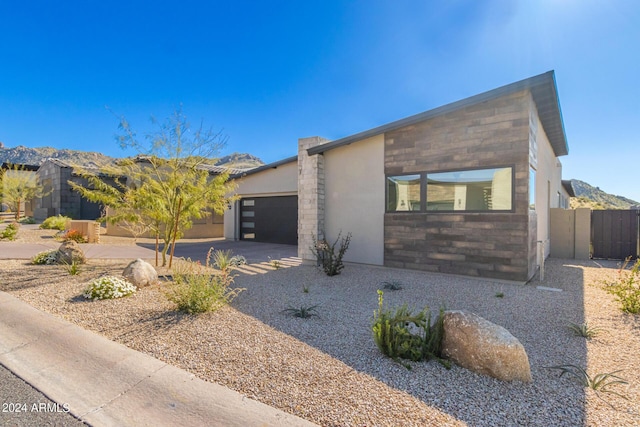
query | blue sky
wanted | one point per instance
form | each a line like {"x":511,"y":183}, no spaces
{"x":271,"y":72}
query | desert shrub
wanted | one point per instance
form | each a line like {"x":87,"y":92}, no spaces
{"x":45,"y":258}
{"x":400,"y":334}
{"x":74,"y":268}
{"x":108,"y":287}
{"x":584,"y":329}
{"x":27,"y":220}
{"x":224,"y":260}
{"x":57,"y":222}
{"x":201,"y":288}
{"x":10,"y":231}
{"x":303,"y":312}
{"x":600,"y":383}
{"x":627,"y":287}
{"x":392,"y":285}
{"x":74,"y":235}
{"x":326,"y":255}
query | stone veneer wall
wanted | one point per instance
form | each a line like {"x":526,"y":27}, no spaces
{"x":490,"y":134}
{"x":310,"y":196}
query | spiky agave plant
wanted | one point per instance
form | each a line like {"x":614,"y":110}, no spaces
{"x":584,"y":329}
{"x":304,"y":312}
{"x":600,"y":383}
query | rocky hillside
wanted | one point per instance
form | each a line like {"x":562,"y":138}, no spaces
{"x":240,"y":161}
{"x":35,"y":156}
{"x":588,"y":196}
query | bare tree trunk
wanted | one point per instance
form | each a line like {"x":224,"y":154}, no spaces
{"x":175,"y":231}
{"x":17,"y":216}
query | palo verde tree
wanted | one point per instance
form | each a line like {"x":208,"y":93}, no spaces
{"x":18,"y":186}
{"x":168,"y":185}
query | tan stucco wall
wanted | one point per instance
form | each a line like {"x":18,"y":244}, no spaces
{"x":570,"y":233}
{"x":279,"y":181}
{"x":354,"y":198}
{"x":548,"y":184}
{"x":209,"y":227}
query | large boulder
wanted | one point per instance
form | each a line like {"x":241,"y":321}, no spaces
{"x":484,"y":347}
{"x":140,"y":273}
{"x":70,"y":252}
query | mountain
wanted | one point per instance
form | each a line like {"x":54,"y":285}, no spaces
{"x":240,"y":161}
{"x":36,"y":156}
{"x":588,"y":196}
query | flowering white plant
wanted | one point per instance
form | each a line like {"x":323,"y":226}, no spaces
{"x":45,"y":257}
{"x":108,"y":287}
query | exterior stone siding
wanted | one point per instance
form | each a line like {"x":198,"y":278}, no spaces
{"x":310,"y":196}
{"x":490,"y":134}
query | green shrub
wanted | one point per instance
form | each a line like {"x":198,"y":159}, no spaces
{"x":326,"y":255}
{"x":45,"y":258}
{"x":224,"y":261}
{"x":400,"y":334}
{"x":198,"y":288}
{"x":58,"y":222}
{"x":27,"y":220}
{"x":627,"y":287}
{"x":108,"y":287}
{"x":10,"y":232}
{"x":393,"y":285}
{"x":74,"y":268}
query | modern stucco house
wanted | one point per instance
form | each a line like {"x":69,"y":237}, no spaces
{"x":465,"y":188}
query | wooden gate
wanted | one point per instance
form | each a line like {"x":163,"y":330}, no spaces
{"x":614,"y":234}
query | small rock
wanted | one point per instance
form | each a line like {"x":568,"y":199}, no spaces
{"x":70,"y":252}
{"x":140,"y":273}
{"x":484,"y":347}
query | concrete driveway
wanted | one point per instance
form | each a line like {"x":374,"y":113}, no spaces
{"x":254,"y":252}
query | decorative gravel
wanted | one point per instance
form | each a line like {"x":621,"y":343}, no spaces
{"x":328,"y":370}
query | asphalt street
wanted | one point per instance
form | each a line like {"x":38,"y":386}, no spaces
{"x":23,"y":406}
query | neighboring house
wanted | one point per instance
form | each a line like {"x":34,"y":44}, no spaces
{"x":60,"y":198}
{"x":211,"y":226}
{"x":465,"y":188}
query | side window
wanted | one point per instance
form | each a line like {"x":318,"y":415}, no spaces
{"x":471,"y":190}
{"x":532,"y":189}
{"x":403,"y":193}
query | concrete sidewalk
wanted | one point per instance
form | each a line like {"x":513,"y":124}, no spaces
{"x":13,"y":250}
{"x":104,"y":383}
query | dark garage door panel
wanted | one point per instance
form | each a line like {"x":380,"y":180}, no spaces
{"x":274,"y":219}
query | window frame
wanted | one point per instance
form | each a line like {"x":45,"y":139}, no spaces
{"x":423,"y":191}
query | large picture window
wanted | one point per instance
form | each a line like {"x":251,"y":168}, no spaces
{"x":403,"y":193}
{"x":471,"y":190}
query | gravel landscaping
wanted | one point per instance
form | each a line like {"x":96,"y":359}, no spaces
{"x":328,"y":370}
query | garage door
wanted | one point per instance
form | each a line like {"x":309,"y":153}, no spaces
{"x":269,"y":219}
